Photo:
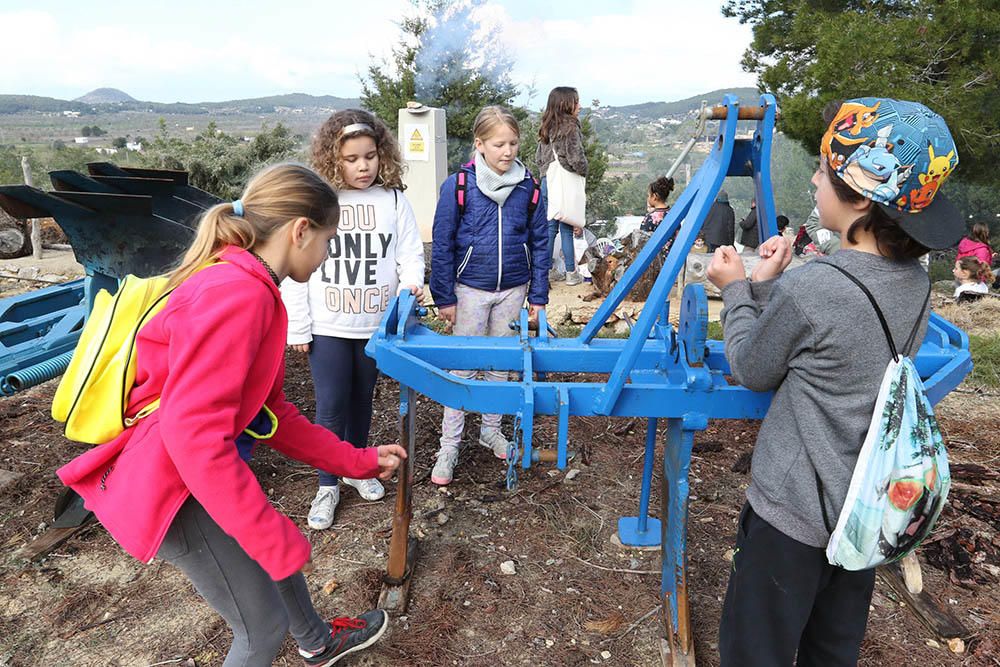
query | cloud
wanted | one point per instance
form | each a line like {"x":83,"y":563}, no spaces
{"x":55,"y":56}
{"x":642,"y":51}
{"x":189,"y":50}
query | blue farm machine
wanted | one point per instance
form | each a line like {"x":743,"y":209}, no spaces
{"x":660,"y":372}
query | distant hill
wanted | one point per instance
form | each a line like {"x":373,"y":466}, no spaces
{"x":21,"y":103}
{"x":105,"y":96}
{"x":291,"y":101}
{"x":111,"y":100}
{"x":650,"y":110}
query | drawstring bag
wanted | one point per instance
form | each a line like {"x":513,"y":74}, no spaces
{"x":901,"y":479}
{"x":567,"y":194}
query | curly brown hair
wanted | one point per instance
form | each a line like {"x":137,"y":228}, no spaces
{"x":330,"y":137}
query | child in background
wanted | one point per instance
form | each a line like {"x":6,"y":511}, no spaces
{"x":376,"y":253}
{"x":785,"y":603}
{"x":978,"y":245}
{"x":656,"y":203}
{"x":176,"y":484}
{"x":490,"y":251}
{"x":972,"y":275}
{"x":560,"y":134}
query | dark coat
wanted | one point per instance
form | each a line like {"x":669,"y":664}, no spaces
{"x":749,"y":236}
{"x":720,"y":225}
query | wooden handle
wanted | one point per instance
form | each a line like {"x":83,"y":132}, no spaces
{"x":397,"y":566}
{"x":744,"y":113}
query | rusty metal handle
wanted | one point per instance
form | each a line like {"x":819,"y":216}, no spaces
{"x":398,"y":565}
{"x":744,"y":113}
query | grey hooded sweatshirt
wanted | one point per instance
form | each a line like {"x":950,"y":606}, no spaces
{"x":813,"y":337}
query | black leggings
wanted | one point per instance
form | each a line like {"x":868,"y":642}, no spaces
{"x":344,"y":378}
{"x":785,"y":598}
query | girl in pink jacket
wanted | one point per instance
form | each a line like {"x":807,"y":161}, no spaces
{"x":978,"y":245}
{"x":176,"y":485}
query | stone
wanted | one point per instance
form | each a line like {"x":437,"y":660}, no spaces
{"x":507,"y":567}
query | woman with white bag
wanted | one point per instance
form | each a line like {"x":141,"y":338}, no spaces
{"x":562,"y":164}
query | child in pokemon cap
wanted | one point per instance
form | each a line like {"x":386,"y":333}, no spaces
{"x":812,"y":337}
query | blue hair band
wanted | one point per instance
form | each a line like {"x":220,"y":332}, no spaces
{"x":238,"y":208}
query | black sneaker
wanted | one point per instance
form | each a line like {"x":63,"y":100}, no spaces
{"x":348,"y":635}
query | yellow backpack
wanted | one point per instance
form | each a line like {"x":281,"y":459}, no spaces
{"x":93,"y":393}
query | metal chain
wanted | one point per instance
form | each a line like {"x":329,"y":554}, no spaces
{"x":514,"y":454}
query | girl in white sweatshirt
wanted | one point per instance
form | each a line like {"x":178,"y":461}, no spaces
{"x":376,"y":253}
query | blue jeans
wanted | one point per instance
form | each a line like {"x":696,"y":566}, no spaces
{"x":557,"y":226}
{"x":344,"y":378}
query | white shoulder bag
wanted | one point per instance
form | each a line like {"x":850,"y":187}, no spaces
{"x":567,"y":193}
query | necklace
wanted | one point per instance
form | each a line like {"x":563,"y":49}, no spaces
{"x":270,"y":271}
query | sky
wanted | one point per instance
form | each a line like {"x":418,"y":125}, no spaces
{"x":619,"y":52}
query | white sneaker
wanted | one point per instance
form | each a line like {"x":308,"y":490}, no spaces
{"x":573,"y":278}
{"x":492,"y":438}
{"x":323,"y":506}
{"x":369,"y":489}
{"x":445,"y":466}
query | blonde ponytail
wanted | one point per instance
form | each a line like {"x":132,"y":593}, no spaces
{"x":272,"y":198}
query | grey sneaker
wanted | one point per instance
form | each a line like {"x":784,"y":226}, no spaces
{"x":573,"y":278}
{"x":556,"y":275}
{"x":323,"y":506}
{"x":445,"y":466}
{"x":492,"y":438}
{"x":348,"y":635}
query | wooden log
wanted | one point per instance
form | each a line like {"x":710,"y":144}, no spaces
{"x":47,"y":542}
{"x":938,"y":619}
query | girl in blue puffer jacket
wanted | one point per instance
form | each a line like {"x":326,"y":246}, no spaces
{"x":490,"y":252}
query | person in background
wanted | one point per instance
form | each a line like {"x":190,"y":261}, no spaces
{"x":720,"y":223}
{"x":656,"y":203}
{"x":825,"y":241}
{"x":972,"y":275}
{"x":560,"y":134}
{"x":749,"y":234}
{"x":977,"y":244}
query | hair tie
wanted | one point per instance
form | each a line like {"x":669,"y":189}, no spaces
{"x":238,"y":208}
{"x":356,"y":127}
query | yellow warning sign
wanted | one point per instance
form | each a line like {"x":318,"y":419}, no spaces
{"x":415,"y":146}
{"x":417,"y":142}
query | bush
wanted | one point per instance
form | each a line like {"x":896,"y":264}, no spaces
{"x":985,"y":360}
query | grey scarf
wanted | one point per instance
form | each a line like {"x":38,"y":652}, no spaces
{"x":498,"y":186}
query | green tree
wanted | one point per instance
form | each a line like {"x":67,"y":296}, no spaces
{"x":436,"y":63}
{"x":119,"y":142}
{"x":220,"y":163}
{"x":944,"y":53}
{"x":85,"y":131}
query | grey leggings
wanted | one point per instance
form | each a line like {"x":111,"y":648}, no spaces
{"x":259,"y":610}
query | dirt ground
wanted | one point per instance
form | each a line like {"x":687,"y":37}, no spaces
{"x":576,"y":597}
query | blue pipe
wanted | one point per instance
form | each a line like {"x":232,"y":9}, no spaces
{"x":37,"y":374}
